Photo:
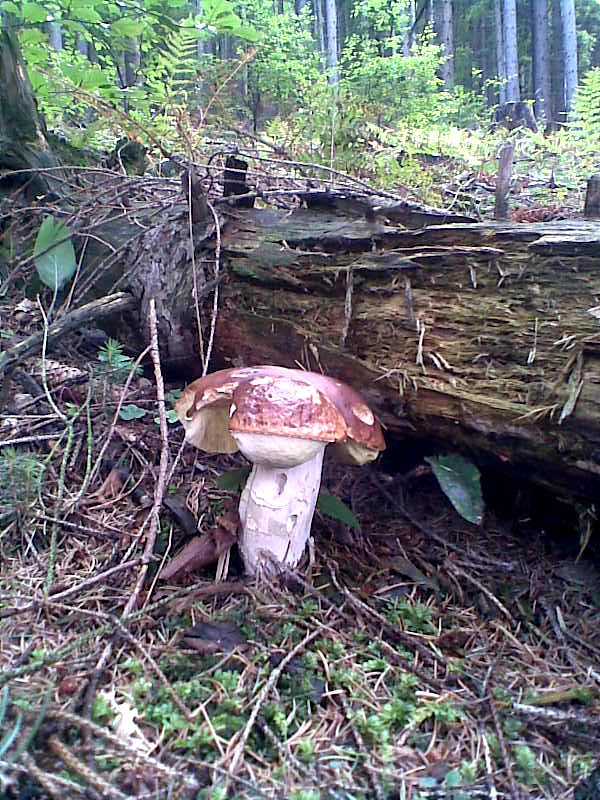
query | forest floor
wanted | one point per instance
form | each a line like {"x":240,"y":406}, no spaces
{"x":420,"y":658}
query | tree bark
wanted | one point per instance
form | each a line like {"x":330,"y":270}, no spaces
{"x":558,"y":66}
{"x":541,"y":61}
{"x":23,"y":142}
{"x":505,"y":164}
{"x":331,"y":35}
{"x":592,"y":197}
{"x":319,"y":26}
{"x":446,"y":27}
{"x":511,"y":55}
{"x":500,"y":61}
{"x":569,"y":49}
{"x":55,"y":36}
{"x":408,"y":40}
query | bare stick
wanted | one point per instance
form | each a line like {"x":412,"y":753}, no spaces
{"x":159,"y":491}
{"x":505,"y":165}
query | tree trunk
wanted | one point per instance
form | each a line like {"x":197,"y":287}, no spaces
{"x":200,"y":50}
{"x":319,"y":25}
{"x":500,"y":62}
{"x":23,"y":143}
{"x":408,"y":40}
{"x":55,"y":35}
{"x":558,"y":66}
{"x":81,"y":45}
{"x":592,"y":197}
{"x":132,"y":60}
{"x":446,"y":27}
{"x":511,"y":57}
{"x":505,"y":165}
{"x":299,"y":5}
{"x":569,"y":49}
{"x":331,"y":33}
{"x":541,"y":61}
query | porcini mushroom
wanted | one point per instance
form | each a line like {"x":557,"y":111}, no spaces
{"x":281,"y":420}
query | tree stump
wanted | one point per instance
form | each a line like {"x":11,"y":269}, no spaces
{"x":592,"y":197}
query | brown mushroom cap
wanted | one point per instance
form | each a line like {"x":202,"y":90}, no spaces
{"x":283,"y":421}
{"x":277,"y":401}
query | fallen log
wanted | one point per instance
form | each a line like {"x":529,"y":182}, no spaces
{"x":482,"y":337}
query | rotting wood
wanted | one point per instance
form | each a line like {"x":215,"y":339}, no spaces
{"x":497,"y":352}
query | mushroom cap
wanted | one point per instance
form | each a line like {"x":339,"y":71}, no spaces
{"x":281,"y":402}
{"x":282,"y":421}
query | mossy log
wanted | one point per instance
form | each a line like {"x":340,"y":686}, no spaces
{"x":481,"y":337}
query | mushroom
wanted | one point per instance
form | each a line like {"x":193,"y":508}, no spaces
{"x":281,"y":420}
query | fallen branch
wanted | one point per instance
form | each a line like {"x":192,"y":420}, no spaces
{"x":114,"y":303}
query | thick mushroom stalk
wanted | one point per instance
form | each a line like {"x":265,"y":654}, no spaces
{"x":281,"y":420}
{"x":276,"y":511}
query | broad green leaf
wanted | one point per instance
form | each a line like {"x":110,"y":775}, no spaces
{"x":131,"y":411}
{"x":85,"y":14}
{"x":234,"y":480}
{"x":54,"y":254}
{"x":459,"y":479}
{"x":89,"y":78}
{"x":333,"y":507}
{"x":453,"y":779}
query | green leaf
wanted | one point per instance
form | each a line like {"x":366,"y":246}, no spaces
{"x":452,"y":779}
{"x":54,"y":254}
{"x":131,"y":411}
{"x":234,"y":480}
{"x":33,"y":12}
{"x":333,"y":507}
{"x":171,"y":415}
{"x":10,"y":8}
{"x":459,"y":479}
{"x":130,"y":28}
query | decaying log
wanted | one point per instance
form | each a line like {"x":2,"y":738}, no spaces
{"x":483,"y":337}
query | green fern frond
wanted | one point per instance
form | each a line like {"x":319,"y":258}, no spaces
{"x":175,"y":66}
{"x":587,"y":102}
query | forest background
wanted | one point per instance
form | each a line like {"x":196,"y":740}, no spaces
{"x":360,"y":84}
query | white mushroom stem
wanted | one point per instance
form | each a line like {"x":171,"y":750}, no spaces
{"x":276,"y":511}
